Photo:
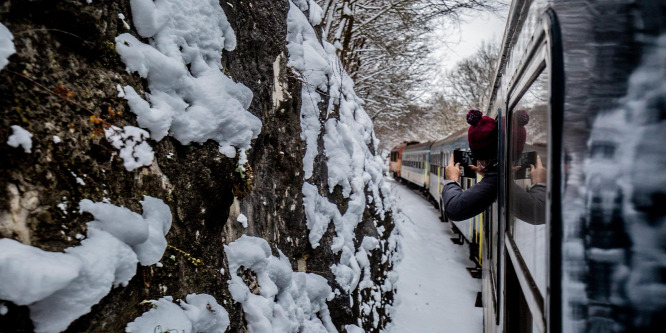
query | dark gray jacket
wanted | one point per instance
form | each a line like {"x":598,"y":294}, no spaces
{"x":459,"y":205}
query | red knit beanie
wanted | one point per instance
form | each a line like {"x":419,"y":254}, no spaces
{"x":520,"y":119}
{"x":482,"y":135}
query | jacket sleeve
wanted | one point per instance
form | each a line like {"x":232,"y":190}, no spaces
{"x":460,"y":205}
{"x":529,"y":206}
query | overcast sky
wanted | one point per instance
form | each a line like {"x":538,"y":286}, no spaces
{"x":464,"y":40}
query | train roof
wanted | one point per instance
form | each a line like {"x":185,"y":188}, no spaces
{"x":458,"y":135}
{"x":419,"y":146}
{"x":402,"y":145}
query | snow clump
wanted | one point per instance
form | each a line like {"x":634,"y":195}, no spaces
{"x":131,"y":141}
{"x":242,"y":219}
{"x":349,"y":145}
{"x":288,"y":301}
{"x":20,"y":137}
{"x":61,"y":287}
{"x":190,"y":97}
{"x":198,"y":313}
{"x":6,"y":45}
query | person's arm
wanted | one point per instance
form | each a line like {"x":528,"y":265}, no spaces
{"x":460,"y":205}
{"x":530,"y":206}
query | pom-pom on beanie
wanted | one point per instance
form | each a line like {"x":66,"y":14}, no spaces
{"x":482,"y":135}
{"x":520,"y":119}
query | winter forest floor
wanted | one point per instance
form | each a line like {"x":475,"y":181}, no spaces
{"x":435,"y":293}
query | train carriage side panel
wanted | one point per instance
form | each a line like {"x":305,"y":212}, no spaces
{"x":441,"y":151}
{"x":414,"y":167}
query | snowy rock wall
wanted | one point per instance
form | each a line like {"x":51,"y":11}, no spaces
{"x":124,"y":99}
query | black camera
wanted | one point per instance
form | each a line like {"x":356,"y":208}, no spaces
{"x":524,"y":161}
{"x":465,"y":158}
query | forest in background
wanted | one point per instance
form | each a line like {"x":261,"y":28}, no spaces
{"x":386,"y":47}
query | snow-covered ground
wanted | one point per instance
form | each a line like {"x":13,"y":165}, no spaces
{"x":435,"y":292}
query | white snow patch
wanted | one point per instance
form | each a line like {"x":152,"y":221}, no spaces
{"x":6,"y":46}
{"x":61,"y":287}
{"x":315,"y":13}
{"x":190,"y":97}
{"x":24,"y":268}
{"x":319,"y":212}
{"x":349,"y":145}
{"x":242,"y":219}
{"x":354,"y":329}
{"x":419,"y":303}
{"x":198,"y":313}
{"x":122,"y":18}
{"x":133,"y":145}
{"x":287,"y":301}
{"x":228,"y":151}
{"x":20,"y":137}
{"x":308,"y":57}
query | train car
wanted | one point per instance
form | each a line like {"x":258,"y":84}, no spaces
{"x":440,"y":151}
{"x":467,"y":232}
{"x":415,"y":164}
{"x":591,"y":257}
{"x":395,"y":158}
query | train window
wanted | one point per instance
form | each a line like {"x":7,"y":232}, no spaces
{"x":527,"y":190}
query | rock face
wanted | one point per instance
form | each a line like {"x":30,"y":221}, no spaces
{"x":62,"y":82}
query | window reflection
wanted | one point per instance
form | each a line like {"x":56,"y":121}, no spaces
{"x":527,"y":192}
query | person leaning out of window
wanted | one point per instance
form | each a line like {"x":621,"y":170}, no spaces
{"x":482,"y":136}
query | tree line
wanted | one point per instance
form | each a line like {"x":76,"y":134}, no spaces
{"x":385,"y":46}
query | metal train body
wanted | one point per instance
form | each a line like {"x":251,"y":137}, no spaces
{"x":592,"y":77}
{"x":395,"y":158}
{"x":415,"y":164}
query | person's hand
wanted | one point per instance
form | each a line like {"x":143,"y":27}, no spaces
{"x":452,"y":171}
{"x":478,"y":168}
{"x":538,"y":172}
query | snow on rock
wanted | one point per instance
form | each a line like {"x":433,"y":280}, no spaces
{"x":165,"y":316}
{"x":349,"y":145}
{"x":190,"y":97}
{"x":198,"y":313}
{"x":288,"y":301}
{"x":48,"y":272}
{"x":106,"y":262}
{"x":308,"y":57}
{"x":131,"y":141}
{"x":242,"y":219}
{"x":61,"y":287}
{"x":205,"y":313}
{"x":120,"y":222}
{"x":20,"y":137}
{"x":319,"y":212}
{"x":6,"y":46}
{"x":158,"y":217}
{"x":354,"y":329}
{"x":315,"y":13}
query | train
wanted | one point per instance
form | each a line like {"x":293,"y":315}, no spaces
{"x":592,"y":77}
{"x":421,"y":165}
